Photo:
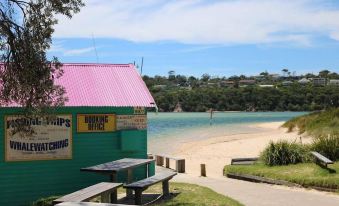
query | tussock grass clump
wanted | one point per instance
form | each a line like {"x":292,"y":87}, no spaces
{"x":47,"y":201}
{"x":284,"y":153}
{"x":316,"y":124}
{"x":327,"y":145}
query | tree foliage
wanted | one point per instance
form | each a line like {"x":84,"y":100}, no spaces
{"x":26,"y":75}
{"x":250,"y":98}
{"x":203,"y":94}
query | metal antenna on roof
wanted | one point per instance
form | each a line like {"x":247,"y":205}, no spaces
{"x":95,"y":48}
{"x":142,"y":64}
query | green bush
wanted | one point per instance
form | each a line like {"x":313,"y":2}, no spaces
{"x":48,"y":201}
{"x":327,"y":145}
{"x":284,"y":153}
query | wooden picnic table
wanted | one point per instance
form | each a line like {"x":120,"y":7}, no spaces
{"x":112,"y":168}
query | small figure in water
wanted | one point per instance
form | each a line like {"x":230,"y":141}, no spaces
{"x":211,"y":116}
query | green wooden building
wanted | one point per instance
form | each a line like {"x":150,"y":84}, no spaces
{"x":104,"y":120}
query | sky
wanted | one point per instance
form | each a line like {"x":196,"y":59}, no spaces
{"x":194,"y":37}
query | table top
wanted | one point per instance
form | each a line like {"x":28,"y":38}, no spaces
{"x":118,"y":165}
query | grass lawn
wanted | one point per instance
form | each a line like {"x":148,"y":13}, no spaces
{"x":305,"y":174}
{"x":187,"y":195}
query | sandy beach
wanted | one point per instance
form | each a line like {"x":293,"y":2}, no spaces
{"x":217,"y":152}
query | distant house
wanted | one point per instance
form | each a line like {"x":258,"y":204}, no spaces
{"x":259,"y":77}
{"x":246,"y":82}
{"x":334,"y":82}
{"x":274,"y":76}
{"x":227,"y":83}
{"x":212,"y":84}
{"x":287,"y":83}
{"x":319,"y":81}
{"x":304,"y":81}
{"x":159,"y":86}
{"x":186,"y":88}
{"x":266,"y":85}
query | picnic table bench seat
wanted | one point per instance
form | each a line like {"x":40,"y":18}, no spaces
{"x":321,"y":159}
{"x":179,"y":162}
{"x":244,"y":161}
{"x":87,"y":204}
{"x":142,"y":185}
{"x":107,"y":191}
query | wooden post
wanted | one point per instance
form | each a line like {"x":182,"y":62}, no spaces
{"x":203,"y":170}
{"x":114,"y":196}
{"x":150,"y":156}
{"x":137,"y":199}
{"x":211,"y":116}
{"x":129,"y":192}
{"x":160,"y":160}
{"x":167,"y":162}
{"x":113,"y":177}
{"x":165,"y":188}
{"x":180,"y":168}
{"x":105,"y":197}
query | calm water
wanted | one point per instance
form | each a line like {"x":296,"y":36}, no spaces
{"x":167,"y":130}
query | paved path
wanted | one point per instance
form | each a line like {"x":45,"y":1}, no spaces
{"x":259,"y":194}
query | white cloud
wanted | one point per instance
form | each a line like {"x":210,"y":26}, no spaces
{"x":58,"y":47}
{"x":204,"y":22}
{"x":77,"y":52}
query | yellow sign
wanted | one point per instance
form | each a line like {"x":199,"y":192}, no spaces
{"x":51,"y":139}
{"x":139,"y":110}
{"x":96,"y":122}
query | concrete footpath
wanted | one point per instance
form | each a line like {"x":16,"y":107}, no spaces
{"x":260,"y":194}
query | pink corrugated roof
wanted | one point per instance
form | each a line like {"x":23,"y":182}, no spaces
{"x":96,"y":85}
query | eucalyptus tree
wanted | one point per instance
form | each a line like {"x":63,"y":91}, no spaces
{"x":26,"y":74}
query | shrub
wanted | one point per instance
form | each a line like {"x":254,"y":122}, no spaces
{"x":48,"y":201}
{"x":284,"y":153}
{"x":327,"y":145}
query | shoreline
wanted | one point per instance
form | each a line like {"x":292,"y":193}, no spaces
{"x":216,"y":152}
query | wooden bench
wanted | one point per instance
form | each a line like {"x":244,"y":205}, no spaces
{"x":320,"y":159}
{"x":179,"y":162}
{"x":87,"y":204}
{"x":243,"y":161}
{"x":142,"y":185}
{"x":107,"y":191}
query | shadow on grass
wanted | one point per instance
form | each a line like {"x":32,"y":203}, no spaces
{"x":330,"y":170}
{"x":149,"y":199}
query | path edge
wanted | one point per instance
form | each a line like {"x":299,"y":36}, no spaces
{"x":258,"y":179}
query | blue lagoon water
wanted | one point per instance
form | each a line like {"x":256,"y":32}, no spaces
{"x":169,"y":130}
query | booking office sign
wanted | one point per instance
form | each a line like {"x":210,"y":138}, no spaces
{"x":50,"y":140}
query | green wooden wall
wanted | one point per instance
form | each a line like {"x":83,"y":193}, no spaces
{"x":23,"y":182}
